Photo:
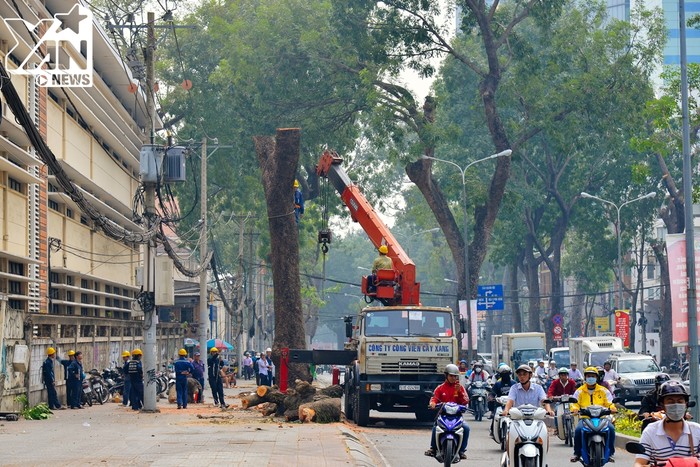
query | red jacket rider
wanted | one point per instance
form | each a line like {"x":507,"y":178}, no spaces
{"x":558,"y":389}
{"x":450,"y":392}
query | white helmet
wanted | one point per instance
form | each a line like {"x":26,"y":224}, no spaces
{"x":268,"y":350}
{"x":451,"y":369}
{"x":504,"y":369}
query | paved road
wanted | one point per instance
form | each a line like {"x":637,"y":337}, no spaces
{"x":401,"y":441}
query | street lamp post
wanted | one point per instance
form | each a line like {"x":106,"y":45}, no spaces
{"x":617,"y":231}
{"x":462,"y":171}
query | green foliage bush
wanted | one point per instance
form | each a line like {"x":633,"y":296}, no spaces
{"x":38,"y":412}
{"x":626,"y":422}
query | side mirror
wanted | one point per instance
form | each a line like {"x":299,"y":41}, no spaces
{"x":634,"y":447}
{"x":463,"y":325}
{"x":348,"y":326}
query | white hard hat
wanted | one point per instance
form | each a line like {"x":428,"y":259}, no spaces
{"x":268,"y":350}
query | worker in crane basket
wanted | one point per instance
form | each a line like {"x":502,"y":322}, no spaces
{"x":381,"y":262}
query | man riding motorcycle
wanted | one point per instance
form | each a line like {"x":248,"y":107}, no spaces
{"x":650,"y":402}
{"x":450,"y":391}
{"x":591,"y":393}
{"x":478,"y":373}
{"x":672,"y":436}
{"x":501,"y":388}
{"x":562,"y":385}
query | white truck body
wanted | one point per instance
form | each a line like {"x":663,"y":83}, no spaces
{"x":496,"y":350}
{"x":561,"y":356}
{"x":593,"y":351}
{"x":520,"y":347}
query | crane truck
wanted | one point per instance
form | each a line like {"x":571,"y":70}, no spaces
{"x":402,"y":347}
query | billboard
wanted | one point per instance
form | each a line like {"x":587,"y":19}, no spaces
{"x":675,"y":245}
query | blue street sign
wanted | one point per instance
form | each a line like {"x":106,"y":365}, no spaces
{"x":489,"y":297}
{"x":558,"y":319}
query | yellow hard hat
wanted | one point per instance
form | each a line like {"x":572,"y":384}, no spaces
{"x":182,"y":352}
{"x":214,"y":350}
{"x":137,"y":352}
{"x":296,"y":183}
{"x":126,"y":354}
{"x":383,"y":249}
{"x":50,"y":351}
{"x":71,"y":353}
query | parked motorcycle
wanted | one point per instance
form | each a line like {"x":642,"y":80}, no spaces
{"x":500,"y":424}
{"x":114,"y":381}
{"x":528,"y":439}
{"x":595,"y":451}
{"x":638,"y":448}
{"x":478,"y":394}
{"x":100,"y":393}
{"x":449,"y":432}
{"x":86,"y":396}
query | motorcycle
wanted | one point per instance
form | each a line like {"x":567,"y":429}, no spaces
{"x":100,"y":393}
{"x":595,"y":452}
{"x":638,"y":448}
{"x":86,"y":397}
{"x":449,"y":432}
{"x":114,"y":381}
{"x":528,"y":440}
{"x":500,"y":424}
{"x":478,"y":393}
{"x":565,"y":420}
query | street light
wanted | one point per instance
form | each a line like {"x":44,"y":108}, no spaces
{"x":617,"y":232}
{"x":463,"y":171}
{"x":409,"y":237}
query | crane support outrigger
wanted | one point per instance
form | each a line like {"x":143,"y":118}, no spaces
{"x":397,"y":286}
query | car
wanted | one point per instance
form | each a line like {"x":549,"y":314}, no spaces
{"x":637,"y":373}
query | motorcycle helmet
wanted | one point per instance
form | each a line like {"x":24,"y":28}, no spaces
{"x":525,"y":368}
{"x":563,"y":370}
{"x":590,"y":370}
{"x":504,"y":369}
{"x":673,"y":388}
{"x":478,"y":364}
{"x":451,"y":369}
{"x":661,"y":378}
{"x":552,"y":362}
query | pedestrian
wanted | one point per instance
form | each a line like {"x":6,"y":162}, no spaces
{"x":214,"y":364}
{"x":256,"y":368}
{"x":135,"y":371}
{"x":263,"y":374}
{"x":198,"y":374}
{"x":66,"y":363}
{"x":298,"y":202}
{"x":126,"y":356}
{"x":75,"y":380}
{"x":247,"y":366}
{"x":49,"y":378}
{"x":183,"y":369}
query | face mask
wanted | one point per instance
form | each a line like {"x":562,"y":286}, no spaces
{"x":591,"y":381}
{"x":675,"y":412}
{"x":477,"y":370}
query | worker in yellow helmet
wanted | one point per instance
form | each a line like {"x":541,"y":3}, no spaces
{"x":49,"y":377}
{"x":183,"y":369}
{"x":135,"y":371}
{"x":298,"y":202}
{"x":66,"y":363}
{"x":380,"y":262}
{"x":126,"y":356}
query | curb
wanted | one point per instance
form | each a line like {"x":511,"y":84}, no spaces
{"x":356,"y":448}
{"x":621,"y":440}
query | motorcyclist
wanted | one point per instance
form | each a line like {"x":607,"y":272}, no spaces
{"x":672,"y":436}
{"x":450,"y":391}
{"x":501,"y":388}
{"x":601,"y":379}
{"x":541,"y":371}
{"x":562,"y":385}
{"x":552,"y":372}
{"x":591,"y":393}
{"x":650,"y":402}
{"x":478,"y":373}
{"x":524,"y":392}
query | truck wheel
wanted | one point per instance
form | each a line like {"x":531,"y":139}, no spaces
{"x":361,"y":406}
{"x":347,"y":394}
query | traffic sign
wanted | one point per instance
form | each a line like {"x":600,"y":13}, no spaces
{"x":558,"y":332}
{"x":558,"y":319}
{"x":489,"y":297}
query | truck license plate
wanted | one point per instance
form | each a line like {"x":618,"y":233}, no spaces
{"x":409,"y":387}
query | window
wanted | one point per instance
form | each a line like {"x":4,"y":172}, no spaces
{"x":53,"y":277}
{"x":15,"y":185}
{"x":52,"y":188}
{"x":83,"y":220}
{"x":84,"y":298}
{"x":15,"y":304}
{"x":53,"y":205}
{"x":651,"y":270}
{"x":69,"y":213}
{"x":15,"y":287}
{"x":84,"y":284}
{"x":408,"y":323}
{"x":16,"y":268}
{"x":69,"y":296}
{"x":69,"y":280}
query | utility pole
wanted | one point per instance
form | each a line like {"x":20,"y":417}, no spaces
{"x":203,"y":298}
{"x":150,"y":314}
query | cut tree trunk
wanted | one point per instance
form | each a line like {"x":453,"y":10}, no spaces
{"x":323,"y":411}
{"x":278,"y":158}
{"x":251,"y":401}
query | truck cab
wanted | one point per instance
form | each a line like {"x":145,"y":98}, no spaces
{"x":402,"y":352}
{"x":561,"y":356}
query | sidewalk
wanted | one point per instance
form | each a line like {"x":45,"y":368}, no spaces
{"x":200,"y":435}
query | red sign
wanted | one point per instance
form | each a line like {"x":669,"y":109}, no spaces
{"x":558,"y":332}
{"x":622,"y":326}
{"x":675,"y":245}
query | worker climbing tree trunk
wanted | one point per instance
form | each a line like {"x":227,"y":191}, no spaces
{"x":278,"y":158}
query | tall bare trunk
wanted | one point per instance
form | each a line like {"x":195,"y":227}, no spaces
{"x":666,"y":332}
{"x":278,"y":158}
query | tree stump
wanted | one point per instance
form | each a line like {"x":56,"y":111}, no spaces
{"x":251,"y":401}
{"x":326,"y":410}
